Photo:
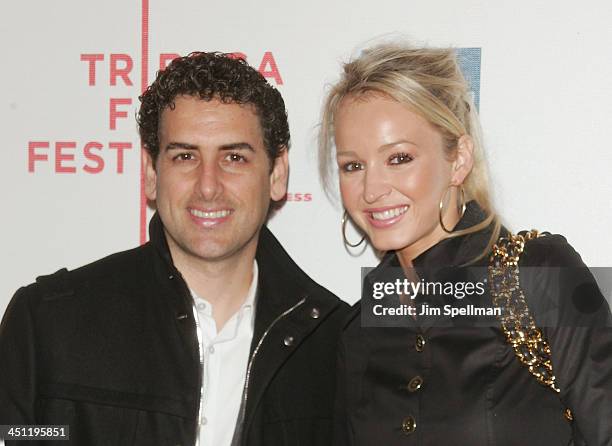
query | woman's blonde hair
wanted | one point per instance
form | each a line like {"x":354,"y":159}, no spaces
{"x":429,"y":82}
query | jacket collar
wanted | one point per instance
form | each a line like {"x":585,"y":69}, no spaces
{"x":157,"y":238}
{"x":454,"y":251}
{"x":433,"y":264}
{"x":282,"y":283}
{"x":461,"y":250}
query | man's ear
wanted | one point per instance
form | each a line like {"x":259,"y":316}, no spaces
{"x":150,"y":180}
{"x":464,"y":161}
{"x":279,"y":176}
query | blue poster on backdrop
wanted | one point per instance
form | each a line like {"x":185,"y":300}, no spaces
{"x":469,"y":61}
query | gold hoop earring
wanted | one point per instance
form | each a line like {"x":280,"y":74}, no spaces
{"x":463,"y":206}
{"x":346,"y":242}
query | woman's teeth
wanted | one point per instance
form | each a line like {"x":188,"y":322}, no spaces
{"x":389,"y":213}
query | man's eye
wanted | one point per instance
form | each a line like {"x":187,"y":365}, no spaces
{"x":235,"y":158}
{"x":400,"y":158}
{"x":185,"y":156}
{"x":352,"y":166}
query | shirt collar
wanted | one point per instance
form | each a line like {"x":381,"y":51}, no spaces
{"x":247,"y":306}
{"x":249,"y":302}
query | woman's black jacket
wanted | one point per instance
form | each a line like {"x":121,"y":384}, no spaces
{"x":442,"y":380}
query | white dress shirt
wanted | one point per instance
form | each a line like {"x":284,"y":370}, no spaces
{"x":225,"y":356}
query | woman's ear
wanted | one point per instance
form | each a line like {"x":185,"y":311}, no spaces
{"x":464,"y":161}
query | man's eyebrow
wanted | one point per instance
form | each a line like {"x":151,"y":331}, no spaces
{"x":237,"y":146}
{"x":180,"y":146}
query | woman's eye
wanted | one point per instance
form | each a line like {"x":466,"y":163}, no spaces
{"x":352,"y":166}
{"x":400,"y":158}
{"x":235,"y":158}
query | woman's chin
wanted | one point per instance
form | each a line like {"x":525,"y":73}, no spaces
{"x":389,"y":243}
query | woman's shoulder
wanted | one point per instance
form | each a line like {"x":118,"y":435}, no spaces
{"x":557,"y":283}
{"x":550,"y":250}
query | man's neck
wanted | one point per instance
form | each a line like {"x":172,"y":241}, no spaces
{"x":223,"y":283}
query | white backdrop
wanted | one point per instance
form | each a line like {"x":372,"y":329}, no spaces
{"x":68,"y":198}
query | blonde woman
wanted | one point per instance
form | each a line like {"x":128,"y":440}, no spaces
{"x":400,"y":129}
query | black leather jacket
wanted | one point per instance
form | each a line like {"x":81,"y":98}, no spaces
{"x":111,"y":350}
{"x":442,"y":381}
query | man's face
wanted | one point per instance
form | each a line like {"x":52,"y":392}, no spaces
{"x":212,"y":180}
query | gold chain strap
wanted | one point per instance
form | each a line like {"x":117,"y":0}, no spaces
{"x":521,"y":332}
{"x":530,"y":345}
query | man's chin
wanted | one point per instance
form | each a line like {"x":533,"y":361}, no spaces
{"x":213,"y":251}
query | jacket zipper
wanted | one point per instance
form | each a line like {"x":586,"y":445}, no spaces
{"x":201,"y":354}
{"x":245,"y":392}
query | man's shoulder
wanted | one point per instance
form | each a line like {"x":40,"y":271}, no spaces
{"x":321,"y":296}
{"x":110,"y":271}
{"x":315,"y":289}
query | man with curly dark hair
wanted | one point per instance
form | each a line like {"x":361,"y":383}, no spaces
{"x":208,"y":334}
{"x":209,"y":76}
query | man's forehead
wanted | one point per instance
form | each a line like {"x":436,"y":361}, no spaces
{"x":215,"y":102}
{"x":189,"y":113}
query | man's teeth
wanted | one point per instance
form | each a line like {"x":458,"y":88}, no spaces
{"x":215,"y":214}
{"x":389,"y":213}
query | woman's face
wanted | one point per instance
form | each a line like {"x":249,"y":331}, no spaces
{"x":393,"y":172}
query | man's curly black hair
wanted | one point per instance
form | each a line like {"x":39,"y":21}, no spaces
{"x":210,"y":76}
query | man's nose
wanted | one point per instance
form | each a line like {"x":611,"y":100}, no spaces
{"x":210,"y":183}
